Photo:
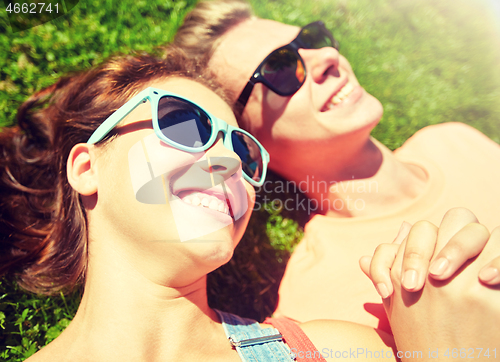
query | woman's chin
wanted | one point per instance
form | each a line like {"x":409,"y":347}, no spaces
{"x":215,"y":248}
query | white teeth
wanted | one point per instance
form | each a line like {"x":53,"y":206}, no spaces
{"x":207,"y":201}
{"x":348,"y":88}
{"x":342,"y":94}
{"x":336,"y":99}
{"x":214,"y":205}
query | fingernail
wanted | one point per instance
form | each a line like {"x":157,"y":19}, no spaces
{"x":405,"y":228}
{"x":382,"y":290}
{"x":402,"y":228}
{"x":410,"y":279}
{"x":439,"y":266}
{"x":403,"y":232}
{"x":488,"y":274}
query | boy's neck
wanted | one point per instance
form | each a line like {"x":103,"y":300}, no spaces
{"x":364,"y":181}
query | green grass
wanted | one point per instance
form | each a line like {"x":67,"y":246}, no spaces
{"x":428,"y":61}
{"x":28,"y":322}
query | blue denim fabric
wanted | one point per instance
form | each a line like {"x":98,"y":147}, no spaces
{"x":252,"y":342}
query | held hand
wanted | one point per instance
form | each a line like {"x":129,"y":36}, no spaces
{"x":464,"y":239}
{"x":459,"y":313}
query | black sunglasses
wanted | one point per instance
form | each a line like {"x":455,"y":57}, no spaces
{"x":283,"y":71}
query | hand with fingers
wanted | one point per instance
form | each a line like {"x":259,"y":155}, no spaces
{"x":461,"y":238}
{"x":459,"y":307}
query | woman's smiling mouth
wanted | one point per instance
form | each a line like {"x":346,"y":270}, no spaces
{"x":209,"y":201}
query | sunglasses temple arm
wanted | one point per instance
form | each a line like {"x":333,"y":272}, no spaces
{"x":245,"y":94}
{"x":116,"y":117}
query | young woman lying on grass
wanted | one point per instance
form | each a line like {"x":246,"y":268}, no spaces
{"x":134,"y":180}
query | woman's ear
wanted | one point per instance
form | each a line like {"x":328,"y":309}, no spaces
{"x":82,"y":170}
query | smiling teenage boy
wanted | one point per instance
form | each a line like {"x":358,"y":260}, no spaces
{"x":299,"y":96}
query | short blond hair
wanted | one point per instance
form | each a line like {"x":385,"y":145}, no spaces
{"x":203,"y":26}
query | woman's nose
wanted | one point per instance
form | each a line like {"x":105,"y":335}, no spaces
{"x":321,"y":62}
{"x":222,"y":162}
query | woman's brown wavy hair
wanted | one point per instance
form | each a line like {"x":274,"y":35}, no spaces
{"x":43,"y":225}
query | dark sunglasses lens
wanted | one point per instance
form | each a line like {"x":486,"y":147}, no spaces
{"x":249,"y":153}
{"x":316,"y":36}
{"x":183,"y":122}
{"x":284,"y":70}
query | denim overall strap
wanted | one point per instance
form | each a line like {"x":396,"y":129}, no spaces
{"x":252,"y":342}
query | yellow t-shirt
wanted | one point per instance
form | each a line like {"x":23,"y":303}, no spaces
{"x":323,"y":279}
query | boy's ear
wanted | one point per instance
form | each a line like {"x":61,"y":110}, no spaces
{"x":81,"y":169}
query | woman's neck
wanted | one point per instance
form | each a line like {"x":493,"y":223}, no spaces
{"x":358,"y":180}
{"x":123,"y":316}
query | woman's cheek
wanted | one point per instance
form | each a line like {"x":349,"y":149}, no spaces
{"x":165,"y":159}
{"x":242,"y":223}
{"x":150,"y":158}
{"x":251,"y":195}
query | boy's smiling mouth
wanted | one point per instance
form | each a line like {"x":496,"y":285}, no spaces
{"x":339,"y":96}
